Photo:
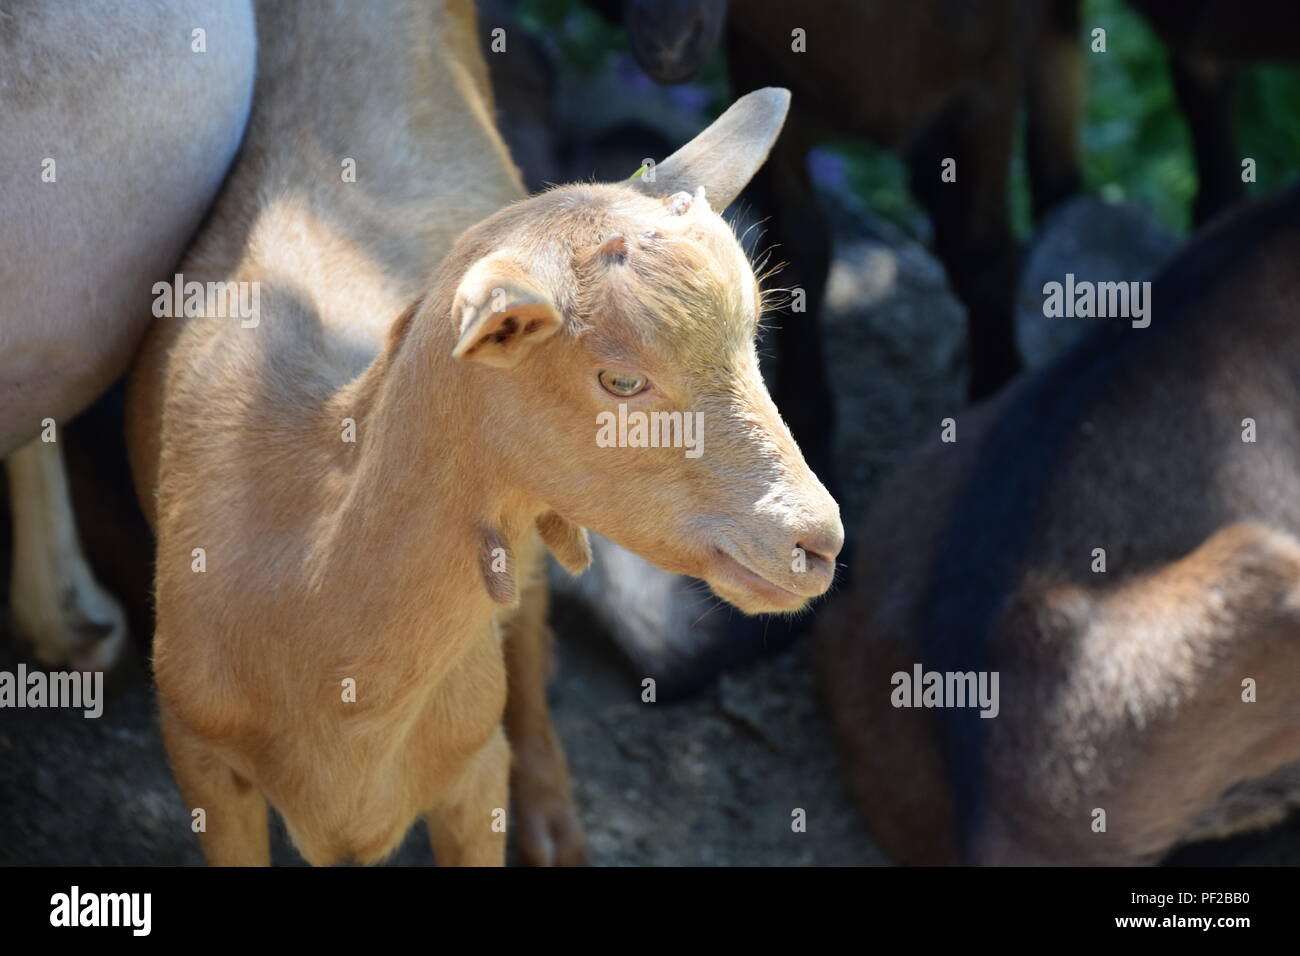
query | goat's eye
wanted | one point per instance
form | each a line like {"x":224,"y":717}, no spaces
{"x":624,"y":386}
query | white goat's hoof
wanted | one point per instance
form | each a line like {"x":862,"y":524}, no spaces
{"x":86,"y":630}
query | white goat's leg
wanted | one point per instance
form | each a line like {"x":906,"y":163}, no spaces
{"x":55,"y":601}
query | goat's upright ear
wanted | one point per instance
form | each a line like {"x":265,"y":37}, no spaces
{"x":500,"y":313}
{"x":725,"y":157}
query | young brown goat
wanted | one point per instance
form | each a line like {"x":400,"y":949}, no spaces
{"x":336,"y":647}
{"x":1115,"y":537}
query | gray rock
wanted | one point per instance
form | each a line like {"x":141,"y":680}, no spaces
{"x":895,"y":337}
{"x":1097,"y":242}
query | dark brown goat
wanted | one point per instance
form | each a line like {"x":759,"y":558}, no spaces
{"x":1140,"y":707}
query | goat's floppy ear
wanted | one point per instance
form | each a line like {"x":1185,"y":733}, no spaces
{"x":500,"y":314}
{"x":725,"y":157}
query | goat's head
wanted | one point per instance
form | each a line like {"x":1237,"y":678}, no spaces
{"x":616,"y":329}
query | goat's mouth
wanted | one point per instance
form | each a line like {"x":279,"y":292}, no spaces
{"x":748,"y":590}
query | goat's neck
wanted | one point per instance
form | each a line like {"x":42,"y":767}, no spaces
{"x":424,"y":488}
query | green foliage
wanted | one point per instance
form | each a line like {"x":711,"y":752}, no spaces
{"x":1135,"y":141}
{"x":1268,"y":125}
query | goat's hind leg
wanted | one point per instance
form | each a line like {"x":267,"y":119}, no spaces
{"x":56,"y":603}
{"x":1187,"y":687}
{"x":234,"y":829}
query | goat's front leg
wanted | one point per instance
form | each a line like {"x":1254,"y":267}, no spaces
{"x":468,"y":828}
{"x":234,"y":828}
{"x":547,"y":830}
{"x":55,"y":601}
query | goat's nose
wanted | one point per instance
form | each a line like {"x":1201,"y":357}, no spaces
{"x":822,"y":544}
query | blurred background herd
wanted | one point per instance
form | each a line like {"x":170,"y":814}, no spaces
{"x":1136,"y":145}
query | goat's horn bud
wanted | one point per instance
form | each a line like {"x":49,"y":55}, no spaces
{"x":615,"y":247}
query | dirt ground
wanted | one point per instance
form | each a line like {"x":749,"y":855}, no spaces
{"x":712,"y":781}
